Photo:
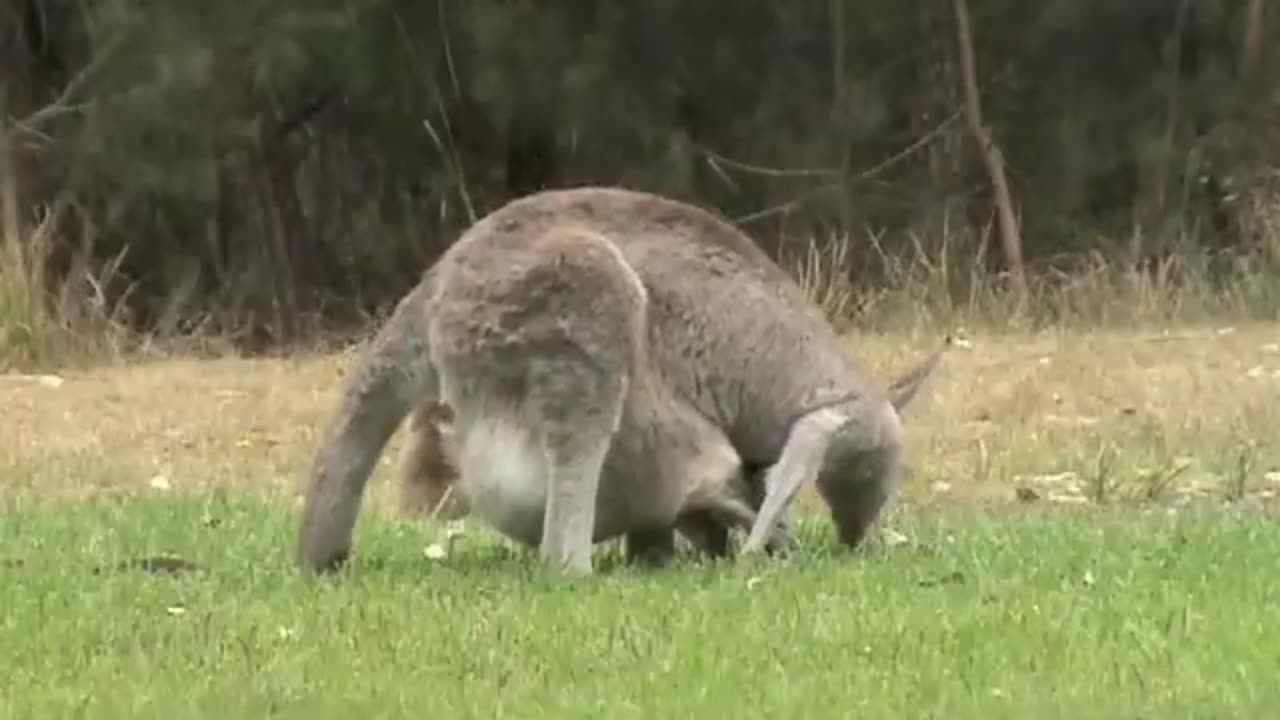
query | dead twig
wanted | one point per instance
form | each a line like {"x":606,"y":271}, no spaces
{"x":868,"y":174}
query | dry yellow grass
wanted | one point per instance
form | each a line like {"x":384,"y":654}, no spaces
{"x":1123,"y":408}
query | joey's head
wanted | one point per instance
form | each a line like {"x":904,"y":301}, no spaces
{"x":432,"y":436}
{"x":428,"y":463}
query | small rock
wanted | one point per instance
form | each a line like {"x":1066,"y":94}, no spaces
{"x":1026,"y":494}
{"x":1063,"y":498}
{"x":1273,"y":348}
{"x":160,"y":482}
{"x":176,"y":610}
{"x":893,"y":538}
{"x":940,"y":487}
{"x":1068,"y":476}
{"x":953,"y":577}
{"x":1078,"y":420}
{"x":435,"y":551}
{"x":49,"y":381}
{"x":166,"y":564}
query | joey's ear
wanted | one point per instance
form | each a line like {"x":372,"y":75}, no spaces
{"x":902,"y":390}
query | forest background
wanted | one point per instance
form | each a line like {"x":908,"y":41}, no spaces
{"x":270,"y":172}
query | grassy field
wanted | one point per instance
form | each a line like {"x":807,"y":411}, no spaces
{"x":1088,"y":530}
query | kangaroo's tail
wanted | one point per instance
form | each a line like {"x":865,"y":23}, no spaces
{"x":393,"y":374}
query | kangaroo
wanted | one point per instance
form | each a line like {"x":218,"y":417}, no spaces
{"x":564,"y":434}
{"x":427,"y":470}
{"x":574,"y":331}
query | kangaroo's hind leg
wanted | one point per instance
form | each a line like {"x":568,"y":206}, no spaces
{"x":577,"y":409}
{"x":540,"y":338}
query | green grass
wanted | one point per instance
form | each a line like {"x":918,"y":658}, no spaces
{"x":982,"y":613}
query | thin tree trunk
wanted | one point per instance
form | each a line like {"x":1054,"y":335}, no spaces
{"x":1153,"y":206}
{"x":284,"y":286}
{"x":1010,"y":235}
{"x":1251,"y":51}
{"x":9,"y":223}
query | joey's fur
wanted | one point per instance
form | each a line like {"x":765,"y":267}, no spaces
{"x":427,"y":467}
{"x":647,"y":331}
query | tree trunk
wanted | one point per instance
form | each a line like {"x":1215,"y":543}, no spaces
{"x":1152,"y":204}
{"x":8,"y":179}
{"x":1251,"y":50}
{"x":281,"y":226}
{"x":1010,"y":235}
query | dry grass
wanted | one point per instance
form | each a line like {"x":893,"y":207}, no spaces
{"x":43,"y":325}
{"x":1119,"y":414}
{"x":1067,"y":392}
{"x":1121,"y":410}
{"x":861,"y":281}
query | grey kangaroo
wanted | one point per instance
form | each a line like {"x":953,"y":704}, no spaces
{"x":613,"y":360}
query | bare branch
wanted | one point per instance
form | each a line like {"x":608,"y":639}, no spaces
{"x":865,"y":175}
{"x":65,"y":102}
{"x":447,"y":151}
{"x":714,"y":158}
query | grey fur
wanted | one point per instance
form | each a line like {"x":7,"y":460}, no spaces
{"x":726,"y":358}
{"x":565,"y":435}
{"x":428,"y":473}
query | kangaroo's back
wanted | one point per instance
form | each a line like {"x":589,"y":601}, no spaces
{"x":738,"y":338}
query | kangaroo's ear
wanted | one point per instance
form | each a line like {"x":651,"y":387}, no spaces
{"x":902,"y":390}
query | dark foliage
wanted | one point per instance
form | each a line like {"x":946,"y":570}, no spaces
{"x":278,"y":162}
